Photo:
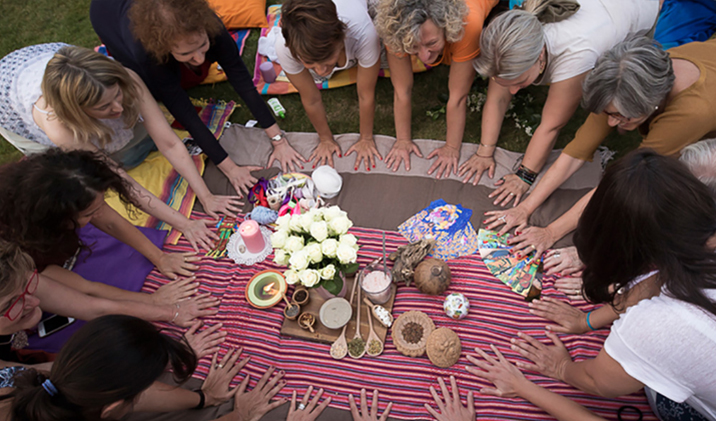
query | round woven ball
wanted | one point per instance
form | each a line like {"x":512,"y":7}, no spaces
{"x":403,"y":346}
{"x":443,"y":347}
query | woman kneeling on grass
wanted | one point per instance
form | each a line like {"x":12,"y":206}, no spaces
{"x":49,"y":196}
{"x":111,"y":368}
{"x":75,"y":98}
{"x":320,"y":37}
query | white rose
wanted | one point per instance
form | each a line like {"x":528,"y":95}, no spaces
{"x":314,"y":252}
{"x":291,"y":276}
{"x":329,"y":247}
{"x":294,"y":243}
{"x":319,"y":231}
{"x":315,"y":214}
{"x":328,"y":272}
{"x":299,"y":260}
{"x":309,"y":277}
{"x":283,"y":221}
{"x":280,"y":257}
{"x":340,"y":225}
{"x":306,"y":221}
{"x":332,"y":212}
{"x":295,"y":223}
{"x":349,"y":240}
{"x":278,"y":239}
{"x":346,"y":254}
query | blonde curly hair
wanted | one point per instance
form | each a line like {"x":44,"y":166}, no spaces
{"x":398,"y":21}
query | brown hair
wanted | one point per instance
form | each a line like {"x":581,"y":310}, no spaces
{"x":311,"y":29}
{"x":76,"y":78}
{"x":157,"y":24}
{"x":15,"y":265}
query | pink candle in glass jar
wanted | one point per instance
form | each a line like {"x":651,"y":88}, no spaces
{"x":377,"y":286}
{"x":252,"y":236}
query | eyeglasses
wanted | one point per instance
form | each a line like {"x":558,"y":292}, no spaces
{"x":15,"y":309}
{"x":618,"y":116}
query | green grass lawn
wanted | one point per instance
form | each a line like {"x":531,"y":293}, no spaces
{"x":37,"y":21}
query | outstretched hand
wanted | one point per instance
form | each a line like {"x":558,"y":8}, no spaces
{"x":509,"y":187}
{"x":364,"y":414}
{"x":287,"y":157}
{"x":365,"y":150}
{"x":510,"y":218}
{"x":446,"y":163}
{"x":323,"y":154}
{"x":568,"y":318}
{"x":198,"y":234}
{"x":217,"y":386}
{"x":508,"y":379}
{"x":207,"y":341}
{"x":548,"y":360}
{"x":175,"y":291}
{"x":400,"y":152}
{"x":254,"y":404}
{"x":452,"y":409}
{"x":198,"y":306}
{"x":308,"y":409}
{"x":475,"y":167}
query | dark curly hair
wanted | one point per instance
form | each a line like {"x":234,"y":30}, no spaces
{"x":112,"y":358}
{"x":157,"y":24}
{"x":648,"y":213}
{"x":45,"y":193}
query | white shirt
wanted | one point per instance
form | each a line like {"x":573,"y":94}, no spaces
{"x":670,"y":346}
{"x":362,"y":42}
{"x":575,"y":44}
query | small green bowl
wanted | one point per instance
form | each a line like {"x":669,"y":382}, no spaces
{"x":256,"y":289}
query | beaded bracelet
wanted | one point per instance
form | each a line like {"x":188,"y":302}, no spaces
{"x":527,"y":175}
{"x":589,"y":324}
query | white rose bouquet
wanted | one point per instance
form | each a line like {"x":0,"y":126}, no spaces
{"x":316,"y":247}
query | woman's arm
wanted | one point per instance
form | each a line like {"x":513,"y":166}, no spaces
{"x":401,"y":77}
{"x":313,"y":104}
{"x":60,"y":299}
{"x":365,"y":147}
{"x":601,"y":376}
{"x":493,"y":112}
{"x":174,"y":150}
{"x":195,"y":231}
{"x":459,"y":83}
{"x":558,"y":173}
{"x":510,"y":382}
{"x":170,"y":264}
{"x":562,"y":100}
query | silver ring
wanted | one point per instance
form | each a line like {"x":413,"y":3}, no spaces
{"x":219,"y":366}
{"x":533,"y":246}
{"x":301,"y":406}
{"x":557,"y":255}
{"x":511,"y":194}
{"x":502,"y":218}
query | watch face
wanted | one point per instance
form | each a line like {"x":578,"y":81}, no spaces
{"x":276,"y":138}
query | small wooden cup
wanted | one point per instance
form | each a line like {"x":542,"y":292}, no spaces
{"x":306,"y":321}
{"x":300,"y":296}
{"x":290,"y":313}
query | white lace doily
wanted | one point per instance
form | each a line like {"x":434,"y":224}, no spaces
{"x":247,"y":258}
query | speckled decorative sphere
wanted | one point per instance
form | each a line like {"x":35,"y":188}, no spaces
{"x":456,"y":306}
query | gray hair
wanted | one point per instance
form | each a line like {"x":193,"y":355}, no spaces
{"x":634,"y":76}
{"x":700,"y":158}
{"x":512,"y":42}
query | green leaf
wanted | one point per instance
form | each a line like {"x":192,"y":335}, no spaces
{"x":334,"y":286}
{"x":350,"y":269}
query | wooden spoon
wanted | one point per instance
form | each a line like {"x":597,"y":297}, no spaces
{"x":372,"y":335}
{"x":357,"y":335}
{"x":374,"y":308}
{"x":339,"y":348}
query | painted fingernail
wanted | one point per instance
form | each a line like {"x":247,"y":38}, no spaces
{"x":340,"y":156}
{"x":373,"y":165}
{"x":314,"y":166}
{"x":282,"y":372}
{"x":355,"y":169}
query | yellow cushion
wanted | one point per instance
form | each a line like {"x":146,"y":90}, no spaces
{"x":241,"y":13}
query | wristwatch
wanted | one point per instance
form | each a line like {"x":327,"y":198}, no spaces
{"x":277,"y":137}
